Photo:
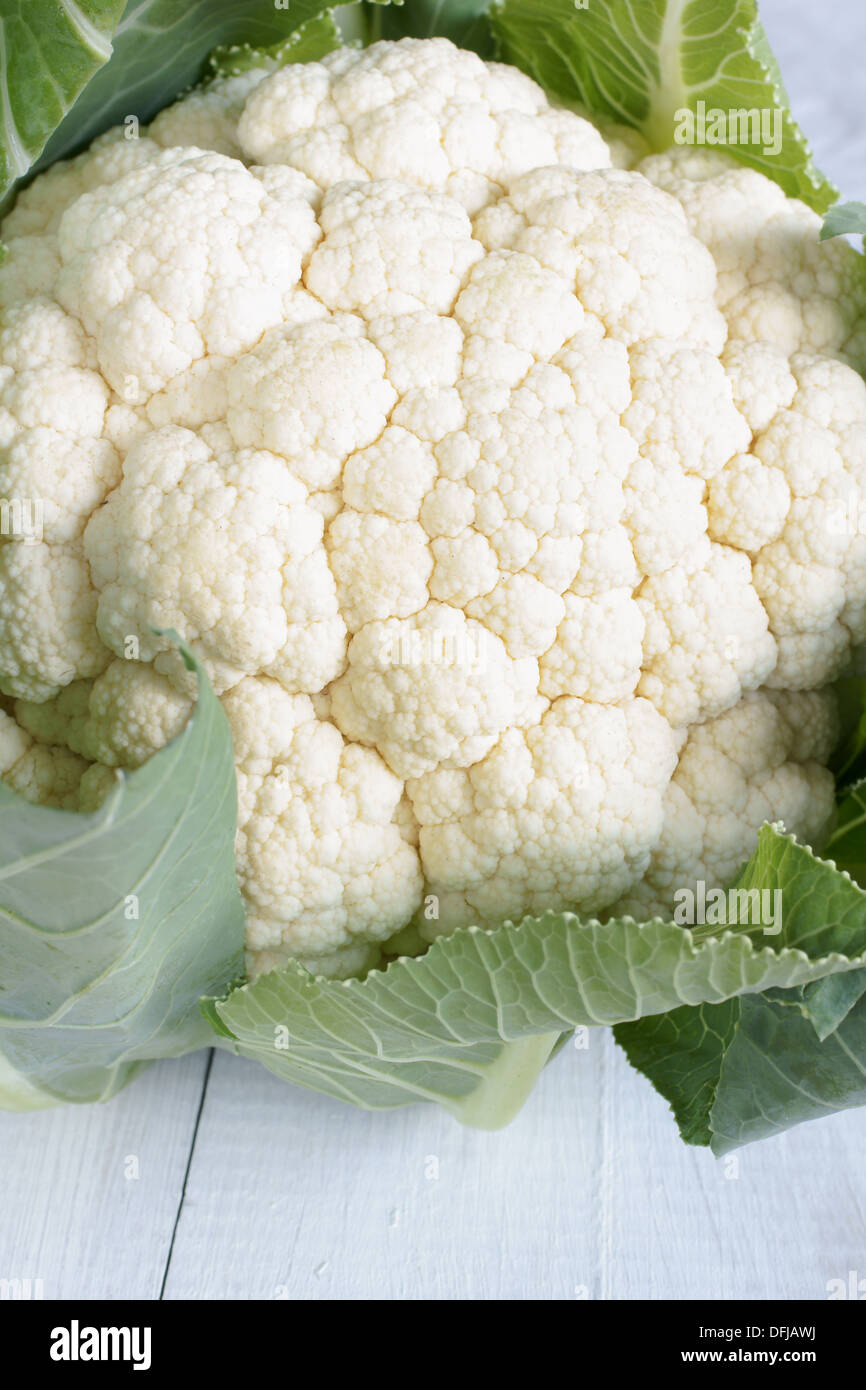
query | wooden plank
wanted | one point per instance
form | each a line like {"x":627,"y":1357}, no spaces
{"x":589,"y":1194}
{"x":91,"y":1193}
{"x":292,"y":1195}
{"x":775,"y":1220}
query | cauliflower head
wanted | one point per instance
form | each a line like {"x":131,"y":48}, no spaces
{"x":504,"y":491}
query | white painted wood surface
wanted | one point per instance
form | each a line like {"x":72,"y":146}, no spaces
{"x":212,"y":1180}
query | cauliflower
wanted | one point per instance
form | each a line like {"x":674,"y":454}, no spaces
{"x":495,"y":483}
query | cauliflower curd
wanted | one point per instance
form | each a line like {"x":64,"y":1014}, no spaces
{"x":494,"y":470}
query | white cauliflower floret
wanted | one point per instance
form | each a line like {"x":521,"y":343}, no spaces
{"x":208,"y":118}
{"x":392,"y":476}
{"x":436,"y":687}
{"x":810,"y":574}
{"x":422,"y":350}
{"x":748,"y":503}
{"x":624,"y":246}
{"x":516,"y":312}
{"x":69,"y":476}
{"x":48,"y":634}
{"x":381,"y":567}
{"x":261,"y":598}
{"x":761,"y":380}
{"x":313,"y":394}
{"x":776,"y":282}
{"x":320,"y":857}
{"x":707,"y":638}
{"x":389,"y":249}
{"x":119,"y":720}
{"x":40,"y":206}
{"x":760,"y":761}
{"x":422,"y":112}
{"x":188,"y":255}
{"x":28,"y":269}
{"x":664,"y":516}
{"x":511,"y":500}
{"x":564,"y":812}
{"x":682,"y":405}
{"x":598,"y":648}
{"x":37,"y":333}
{"x":523,"y":612}
{"x":47,"y":776}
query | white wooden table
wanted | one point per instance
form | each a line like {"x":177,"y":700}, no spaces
{"x":210,"y":1179}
